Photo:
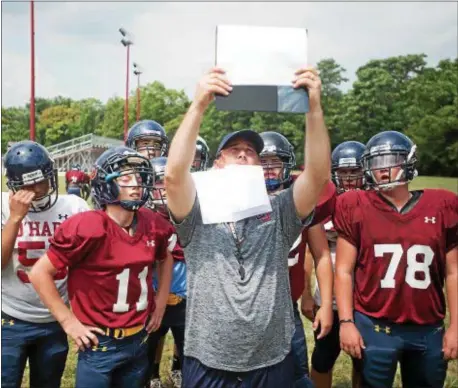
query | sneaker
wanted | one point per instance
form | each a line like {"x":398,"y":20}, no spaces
{"x":176,"y":378}
{"x":155,"y":383}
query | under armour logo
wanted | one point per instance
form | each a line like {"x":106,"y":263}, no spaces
{"x":432,"y":220}
{"x":150,"y":243}
{"x":61,"y":216}
{"x":385,"y":329}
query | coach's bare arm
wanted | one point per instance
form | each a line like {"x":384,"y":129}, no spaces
{"x":180,"y":187}
{"x":316,"y":174}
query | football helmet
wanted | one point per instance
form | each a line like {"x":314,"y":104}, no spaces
{"x":75,"y":167}
{"x":148,"y":130}
{"x":28,"y":163}
{"x":347,"y":155}
{"x":158,"y":198}
{"x":385,"y":151}
{"x":109,"y":166}
{"x":275,"y":144}
{"x":203,"y":151}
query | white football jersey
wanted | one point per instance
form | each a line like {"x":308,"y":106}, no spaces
{"x":332,"y":238}
{"x":19,"y":298}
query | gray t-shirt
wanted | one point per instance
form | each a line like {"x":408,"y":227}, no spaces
{"x":234,"y":324}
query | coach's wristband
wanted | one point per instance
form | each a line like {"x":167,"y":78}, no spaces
{"x":346,"y":321}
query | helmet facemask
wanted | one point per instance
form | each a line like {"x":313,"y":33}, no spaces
{"x":345,"y":180}
{"x":383,"y":162}
{"x":285,"y":164}
{"x":152,"y":147}
{"x":158,"y":198}
{"x":126,"y":172}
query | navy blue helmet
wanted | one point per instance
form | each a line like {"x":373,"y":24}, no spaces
{"x":158,"y":198}
{"x":275,"y":144}
{"x":152,"y":131}
{"x":346,"y":166}
{"x":75,"y":167}
{"x":203,"y":153}
{"x":28,"y":163}
{"x":385,"y":151}
{"x":110,"y":166}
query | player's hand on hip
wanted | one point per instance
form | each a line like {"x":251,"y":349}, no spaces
{"x":84,"y":336}
{"x":214,"y":82}
{"x":19,"y":203}
{"x":156,"y":319}
{"x":350,"y":340}
{"x":323,"y":319}
{"x":450,"y":343}
{"x":309,"y":78}
{"x":308,"y":307}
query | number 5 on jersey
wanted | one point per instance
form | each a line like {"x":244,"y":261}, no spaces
{"x":413,"y":265}
{"x":35,"y":249}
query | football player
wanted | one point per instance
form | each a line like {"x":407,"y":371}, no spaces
{"x":31,"y":213}
{"x":74,"y":180}
{"x":148,"y":138}
{"x":347,"y":174}
{"x":401,"y":248}
{"x":278,"y":160}
{"x":174,"y":316}
{"x":202,"y":156}
{"x":110,"y":255}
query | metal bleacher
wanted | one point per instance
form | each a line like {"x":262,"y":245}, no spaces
{"x":83,"y":150}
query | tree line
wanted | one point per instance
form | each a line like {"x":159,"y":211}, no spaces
{"x":398,"y":93}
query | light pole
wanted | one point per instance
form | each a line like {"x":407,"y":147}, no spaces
{"x":126,"y":42}
{"x":137,"y":72}
{"x":32,"y":72}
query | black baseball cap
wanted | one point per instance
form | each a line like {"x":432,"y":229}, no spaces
{"x":245,"y":134}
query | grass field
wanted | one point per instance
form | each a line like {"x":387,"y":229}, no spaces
{"x":342,"y":369}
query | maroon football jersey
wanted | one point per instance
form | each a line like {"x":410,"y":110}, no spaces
{"x":296,"y":259}
{"x":400,"y":267}
{"x":75,"y":177}
{"x":177,"y":253}
{"x":109,"y":271}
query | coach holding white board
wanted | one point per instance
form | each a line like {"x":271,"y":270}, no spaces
{"x":239,"y":315}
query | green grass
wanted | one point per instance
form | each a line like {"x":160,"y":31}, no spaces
{"x":342,"y":369}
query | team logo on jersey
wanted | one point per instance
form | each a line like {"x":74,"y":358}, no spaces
{"x":63,"y":216}
{"x":430,"y":219}
{"x":150,"y":243}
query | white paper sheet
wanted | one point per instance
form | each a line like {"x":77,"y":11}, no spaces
{"x":261,"y":55}
{"x":231,"y":194}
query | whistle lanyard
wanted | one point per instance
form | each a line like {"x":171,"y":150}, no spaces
{"x":238,"y":253}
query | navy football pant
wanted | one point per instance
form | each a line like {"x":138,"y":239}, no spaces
{"x":197,"y":375}
{"x":418,"y":349}
{"x":74,"y":190}
{"x":174,"y":319}
{"x":299,"y":353}
{"x":120,"y":363}
{"x":43,"y":344}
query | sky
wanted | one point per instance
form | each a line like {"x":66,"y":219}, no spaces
{"x":79,"y":54}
